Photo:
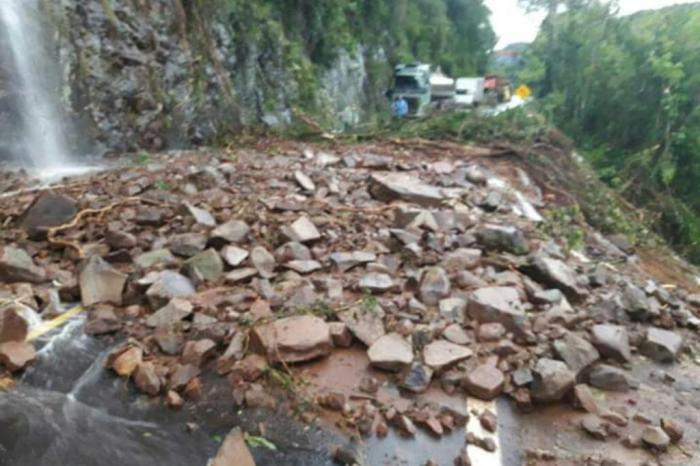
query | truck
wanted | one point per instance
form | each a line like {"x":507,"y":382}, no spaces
{"x":412,"y":83}
{"x":442,"y":87}
{"x":498,"y":89}
{"x":469,"y":91}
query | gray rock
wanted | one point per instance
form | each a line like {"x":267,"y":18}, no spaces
{"x":390,"y":187}
{"x":49,"y":209}
{"x":234,"y":256}
{"x":434,"y":286}
{"x":498,"y":304}
{"x":303,"y":267}
{"x":302,"y":231}
{"x":655,"y":437}
{"x":461,"y":259}
{"x":118,"y":239}
{"x":158,"y":257}
{"x":304,"y":181}
{"x":376,"y":282}
{"x":205,"y":266}
{"x":636,"y":303}
{"x":170,"y":314}
{"x":415,"y":219}
{"x":454,"y":309}
{"x":101,"y":283}
{"x":240,"y":275}
{"x":612,"y":342}
{"x":418,"y":378}
{"x":661,"y":345}
{"x":367,"y":324}
{"x":292,"y":251}
{"x":201,"y":216}
{"x":390,"y":352}
{"x":552,"y":380}
{"x":348,"y":260}
{"x":594,"y":426}
{"x":166,"y":286}
{"x":609,"y":378}
{"x":522,"y":377}
{"x":233,"y":231}
{"x":456,"y":334}
{"x":492,"y":201}
{"x":555,"y":273}
{"x":576,"y":352}
{"x":188,"y":244}
{"x":17,"y":266}
{"x":441,"y":354}
{"x":263,"y":261}
{"x":503,"y":238}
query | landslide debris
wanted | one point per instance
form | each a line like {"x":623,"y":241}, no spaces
{"x":287,"y":257}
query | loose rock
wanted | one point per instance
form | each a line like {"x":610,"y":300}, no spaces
{"x":234,"y":451}
{"x":17,"y":266}
{"x":293,"y":339}
{"x":552,"y":380}
{"x":390,"y":352}
{"x":484,"y":382}
{"x":661,"y":345}
{"x":15,"y":355}
{"x":101,"y":283}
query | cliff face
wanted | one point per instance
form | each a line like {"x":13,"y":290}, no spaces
{"x":157,"y":74}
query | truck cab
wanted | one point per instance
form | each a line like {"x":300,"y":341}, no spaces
{"x":412,"y":82}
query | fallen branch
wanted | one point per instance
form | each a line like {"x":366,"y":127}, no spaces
{"x":52,"y":232}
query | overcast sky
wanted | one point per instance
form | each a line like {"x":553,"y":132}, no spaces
{"x":512,"y":24}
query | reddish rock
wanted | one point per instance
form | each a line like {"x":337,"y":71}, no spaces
{"x":126,"y":363}
{"x":583,"y":398}
{"x":100,"y":283}
{"x":390,"y":352}
{"x":193,"y":389}
{"x":13,"y":327}
{"x":234,"y":451}
{"x":488,"y":421}
{"x":340,"y":334}
{"x":332,"y":401}
{"x":673,"y":429}
{"x":15,"y":356}
{"x":491,"y":332}
{"x":198,"y":352}
{"x":484,"y":382}
{"x":146,"y":379}
{"x":181,"y":376}
{"x":249,"y":369}
{"x":293,"y":339}
{"x":440,"y":354}
{"x":174,"y":400}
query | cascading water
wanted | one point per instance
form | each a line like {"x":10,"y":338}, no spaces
{"x":42,"y":136}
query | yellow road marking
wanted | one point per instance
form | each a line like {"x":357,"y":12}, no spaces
{"x":52,"y":324}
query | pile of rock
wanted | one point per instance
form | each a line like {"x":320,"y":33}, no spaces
{"x":436,"y":270}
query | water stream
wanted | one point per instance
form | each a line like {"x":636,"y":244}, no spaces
{"x":43,"y":139}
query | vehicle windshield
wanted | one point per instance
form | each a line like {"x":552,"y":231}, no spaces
{"x":407,"y":83}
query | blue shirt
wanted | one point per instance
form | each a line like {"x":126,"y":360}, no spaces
{"x":400,"y":108}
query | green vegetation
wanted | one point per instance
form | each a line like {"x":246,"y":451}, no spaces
{"x":628,"y":91}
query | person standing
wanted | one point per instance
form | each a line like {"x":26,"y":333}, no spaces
{"x":400,"y":107}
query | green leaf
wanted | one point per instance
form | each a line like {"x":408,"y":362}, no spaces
{"x":259,"y":442}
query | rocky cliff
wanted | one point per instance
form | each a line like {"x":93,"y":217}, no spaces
{"x":163,"y":73}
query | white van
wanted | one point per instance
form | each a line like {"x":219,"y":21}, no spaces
{"x":469,"y":91}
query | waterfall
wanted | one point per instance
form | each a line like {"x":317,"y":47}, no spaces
{"x":42,"y":136}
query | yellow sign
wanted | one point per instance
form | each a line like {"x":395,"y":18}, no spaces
{"x":523,"y":91}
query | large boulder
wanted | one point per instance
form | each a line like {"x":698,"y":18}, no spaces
{"x":498,"y":304}
{"x":49,"y":209}
{"x":390,"y":187}
{"x":101,"y":283}
{"x":17,"y":266}
{"x":661,"y":345}
{"x":503,"y":238}
{"x":552,"y":380}
{"x":555,"y":273}
{"x":612,"y":341}
{"x":293,"y":339}
{"x":577,"y":352}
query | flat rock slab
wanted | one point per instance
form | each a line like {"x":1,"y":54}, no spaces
{"x":390,"y":187}
{"x":440,"y":354}
{"x":609,"y":378}
{"x":555,"y":273}
{"x":169,"y":285}
{"x":205,"y":266}
{"x":367,"y":324}
{"x":293,"y":339}
{"x":391,"y":352}
{"x":302,"y":231}
{"x":503,"y":238}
